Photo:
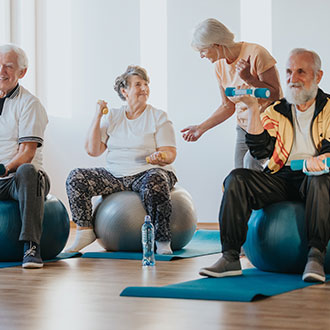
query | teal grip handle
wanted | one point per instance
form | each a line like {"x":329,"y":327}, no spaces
{"x":297,"y":165}
{"x":263,"y":93}
{"x":2,"y":169}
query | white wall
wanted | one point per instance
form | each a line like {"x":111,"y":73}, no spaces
{"x":302,"y":23}
{"x":82,"y":45}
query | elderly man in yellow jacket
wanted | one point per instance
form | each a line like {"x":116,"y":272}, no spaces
{"x":296,"y":127}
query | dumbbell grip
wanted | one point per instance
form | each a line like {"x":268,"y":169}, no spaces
{"x":297,"y":165}
{"x":2,"y":169}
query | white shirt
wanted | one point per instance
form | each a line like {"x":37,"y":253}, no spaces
{"x":303,"y":146}
{"x":23,"y":119}
{"x":130,"y":141}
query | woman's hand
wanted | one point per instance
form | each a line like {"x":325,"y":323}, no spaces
{"x":162,"y":156}
{"x":191,"y":133}
{"x":243,"y":69}
{"x":101,"y":107}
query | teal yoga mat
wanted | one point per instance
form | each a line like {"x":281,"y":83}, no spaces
{"x":204,"y":242}
{"x":59,"y":257}
{"x":252,"y":285}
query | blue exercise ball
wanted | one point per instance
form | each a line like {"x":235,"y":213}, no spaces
{"x":56,"y":228}
{"x":277,"y":241}
{"x":119,"y":218}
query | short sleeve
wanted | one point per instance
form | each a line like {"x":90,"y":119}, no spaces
{"x":32,"y":123}
{"x":165,"y":135}
{"x":263,"y":61}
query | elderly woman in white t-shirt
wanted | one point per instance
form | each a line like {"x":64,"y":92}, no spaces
{"x":140,"y":144}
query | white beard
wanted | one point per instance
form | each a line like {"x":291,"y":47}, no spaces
{"x":300,"y":96}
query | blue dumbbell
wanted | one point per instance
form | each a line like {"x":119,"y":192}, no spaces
{"x":298,"y":165}
{"x":263,"y":93}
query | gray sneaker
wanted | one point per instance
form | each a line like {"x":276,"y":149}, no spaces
{"x":225,"y":266}
{"x":314,"y":269}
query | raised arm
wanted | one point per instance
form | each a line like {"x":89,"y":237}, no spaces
{"x":268,"y":79}
{"x":94,"y":145}
{"x":225,"y":111}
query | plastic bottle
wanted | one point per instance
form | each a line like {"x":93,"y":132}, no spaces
{"x":148,"y":241}
{"x":257,"y":92}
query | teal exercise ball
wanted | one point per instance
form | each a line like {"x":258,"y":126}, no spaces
{"x":56,"y":228}
{"x":119,"y":218}
{"x":276,"y":239}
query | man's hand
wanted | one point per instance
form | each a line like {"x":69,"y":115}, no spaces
{"x":315,"y":164}
{"x":191,"y":133}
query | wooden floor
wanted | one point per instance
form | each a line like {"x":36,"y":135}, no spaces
{"x":84,"y":294}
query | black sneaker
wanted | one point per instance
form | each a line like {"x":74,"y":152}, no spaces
{"x":314,"y":269}
{"x":227,"y":265}
{"x":31,"y":258}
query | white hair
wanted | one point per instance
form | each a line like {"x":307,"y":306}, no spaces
{"x":22,"y":59}
{"x":210,"y":32}
{"x":315,"y":56}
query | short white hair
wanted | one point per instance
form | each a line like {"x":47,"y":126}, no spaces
{"x":315,"y":56}
{"x":22,"y":59}
{"x":210,"y":32}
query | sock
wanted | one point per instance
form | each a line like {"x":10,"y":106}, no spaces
{"x":164,"y":247}
{"x":83,"y":238}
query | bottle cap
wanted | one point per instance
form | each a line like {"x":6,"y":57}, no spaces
{"x":147,"y":218}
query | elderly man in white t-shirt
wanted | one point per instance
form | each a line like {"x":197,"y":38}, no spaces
{"x":23,"y":120}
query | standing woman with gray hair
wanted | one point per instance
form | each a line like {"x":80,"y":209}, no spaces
{"x":236,"y":64}
{"x":140,"y":144}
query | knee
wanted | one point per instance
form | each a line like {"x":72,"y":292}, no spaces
{"x":26,"y":171}
{"x":74,"y":177}
{"x":157,"y":187}
{"x":235,"y":177}
{"x":319,"y":183}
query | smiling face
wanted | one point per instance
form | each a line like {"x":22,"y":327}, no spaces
{"x":10,"y":72}
{"x":137,"y":91}
{"x":302,"y":81}
{"x":212,"y":53}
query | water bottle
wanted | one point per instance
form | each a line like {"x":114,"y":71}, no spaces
{"x":257,"y":92}
{"x":148,"y":241}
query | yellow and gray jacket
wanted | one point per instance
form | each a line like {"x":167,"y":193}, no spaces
{"x":276,"y":140}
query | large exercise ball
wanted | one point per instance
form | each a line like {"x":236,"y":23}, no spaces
{"x":277,"y":240}
{"x":119,"y":217}
{"x":56,"y":228}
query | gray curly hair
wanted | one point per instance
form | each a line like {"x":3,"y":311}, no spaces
{"x":122,"y":80}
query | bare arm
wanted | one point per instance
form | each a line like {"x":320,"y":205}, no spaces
{"x":225,"y":111}
{"x":93,"y":145}
{"x":25,"y":154}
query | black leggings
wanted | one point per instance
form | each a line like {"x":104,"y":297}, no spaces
{"x":153,"y":186}
{"x":246,"y":190}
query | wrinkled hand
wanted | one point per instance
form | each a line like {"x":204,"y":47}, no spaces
{"x":315,"y":164}
{"x":157,"y":158}
{"x":248,"y":100}
{"x":191,"y":133}
{"x":102,"y":107}
{"x":243,"y":69}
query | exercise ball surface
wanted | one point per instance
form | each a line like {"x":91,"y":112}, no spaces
{"x":56,"y":228}
{"x":277,"y":240}
{"x":119,"y":218}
